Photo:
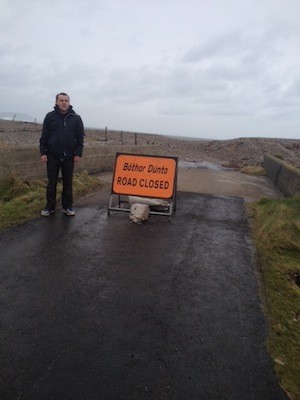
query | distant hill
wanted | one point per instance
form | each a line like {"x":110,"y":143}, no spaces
{"x":13,"y":116}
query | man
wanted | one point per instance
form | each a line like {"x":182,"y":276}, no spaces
{"x":61,"y":145}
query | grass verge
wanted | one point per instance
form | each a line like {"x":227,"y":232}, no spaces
{"x":21,"y":201}
{"x":275,"y":228}
{"x":253,"y":170}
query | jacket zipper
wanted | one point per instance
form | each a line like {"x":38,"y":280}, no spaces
{"x":65,"y":119}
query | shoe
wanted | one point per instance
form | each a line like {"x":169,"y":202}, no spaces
{"x":46,"y":213}
{"x":69,"y":211}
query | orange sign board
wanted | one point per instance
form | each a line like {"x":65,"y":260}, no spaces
{"x":146,"y":176}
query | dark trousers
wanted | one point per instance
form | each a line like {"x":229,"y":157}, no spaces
{"x":66,"y":166}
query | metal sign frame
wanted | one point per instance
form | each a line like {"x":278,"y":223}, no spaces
{"x":119,"y":199}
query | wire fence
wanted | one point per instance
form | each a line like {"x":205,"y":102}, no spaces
{"x":120,"y":137}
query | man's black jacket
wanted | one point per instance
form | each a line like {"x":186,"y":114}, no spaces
{"x":62,"y":134}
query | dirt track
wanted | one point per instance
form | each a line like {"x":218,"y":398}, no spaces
{"x":218,"y":182}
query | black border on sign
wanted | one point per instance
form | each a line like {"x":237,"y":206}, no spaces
{"x":121,"y":204}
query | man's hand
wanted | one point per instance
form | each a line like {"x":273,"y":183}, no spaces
{"x":76,"y":158}
{"x":44,"y":158}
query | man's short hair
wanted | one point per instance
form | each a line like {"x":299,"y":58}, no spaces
{"x":62,"y":94}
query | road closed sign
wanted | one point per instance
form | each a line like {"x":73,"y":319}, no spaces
{"x":146,"y":176}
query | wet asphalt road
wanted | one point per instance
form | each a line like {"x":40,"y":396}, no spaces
{"x":94,"y":307}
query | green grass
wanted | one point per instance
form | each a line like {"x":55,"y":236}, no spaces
{"x":21,"y":201}
{"x":253,"y":170}
{"x":276,"y":233}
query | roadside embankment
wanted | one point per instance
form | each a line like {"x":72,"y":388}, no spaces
{"x":283,"y":175}
{"x":25,"y":162}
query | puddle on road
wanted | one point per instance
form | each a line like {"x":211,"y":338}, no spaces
{"x":202,"y":165}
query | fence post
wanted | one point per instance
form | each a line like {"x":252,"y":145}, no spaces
{"x":135,"y":138}
{"x":105,"y":134}
{"x":121,"y":137}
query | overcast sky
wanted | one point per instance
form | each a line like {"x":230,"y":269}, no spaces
{"x":216,"y":69}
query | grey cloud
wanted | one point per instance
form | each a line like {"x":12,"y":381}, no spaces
{"x":235,"y":55}
{"x":112,"y":66}
{"x":219,"y":45}
{"x":132,"y":85}
{"x":294,"y":88}
{"x":14,"y":75}
{"x":247,"y":46}
{"x":161,"y":84}
{"x":181,"y":89}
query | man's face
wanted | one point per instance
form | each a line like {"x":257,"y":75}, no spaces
{"x":63,"y":103}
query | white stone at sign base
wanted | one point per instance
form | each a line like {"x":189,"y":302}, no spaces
{"x":139,"y":213}
{"x":146,"y":200}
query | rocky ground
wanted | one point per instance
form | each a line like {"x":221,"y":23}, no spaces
{"x":234,"y":153}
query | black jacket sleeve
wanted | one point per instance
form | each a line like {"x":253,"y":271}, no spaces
{"x":79,"y":137}
{"x":45,"y":135}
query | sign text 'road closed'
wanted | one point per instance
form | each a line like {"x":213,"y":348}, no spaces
{"x":146,"y":176}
